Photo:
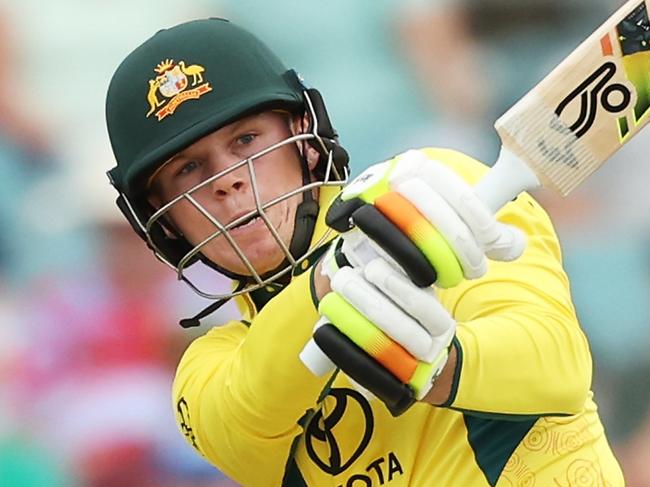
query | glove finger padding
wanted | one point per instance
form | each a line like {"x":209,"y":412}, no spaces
{"x":370,"y":336}
{"x":392,"y":240}
{"x":422,"y":305}
{"x":499,"y":241}
{"x":344,"y":215}
{"x":446,"y":220}
{"x":339,"y":214}
{"x":364,"y":370}
{"x":382,"y":312}
{"x":419,"y":230}
{"x":436,"y":210}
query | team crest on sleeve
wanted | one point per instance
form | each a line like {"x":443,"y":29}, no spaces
{"x":175,"y":83}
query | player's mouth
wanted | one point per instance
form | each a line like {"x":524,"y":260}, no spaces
{"x":249,"y":224}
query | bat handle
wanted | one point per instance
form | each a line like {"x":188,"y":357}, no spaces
{"x":505,"y":180}
{"x":314,"y":358}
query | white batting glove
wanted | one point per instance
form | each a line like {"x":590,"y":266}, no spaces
{"x":413,"y":201}
{"x":387,"y":334}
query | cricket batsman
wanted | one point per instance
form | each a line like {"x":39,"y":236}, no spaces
{"x":452,"y":351}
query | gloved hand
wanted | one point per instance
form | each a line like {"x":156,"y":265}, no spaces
{"x":414,"y":217}
{"x":427,"y":219}
{"x":387,"y":334}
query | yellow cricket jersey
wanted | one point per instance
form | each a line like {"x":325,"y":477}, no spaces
{"x":521,"y":412}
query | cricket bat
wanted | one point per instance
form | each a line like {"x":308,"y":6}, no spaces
{"x":591,"y":104}
{"x":568,"y":125}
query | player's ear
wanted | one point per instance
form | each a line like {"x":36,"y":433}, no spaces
{"x":299,"y":124}
{"x":312,"y":158}
{"x":156,"y":201}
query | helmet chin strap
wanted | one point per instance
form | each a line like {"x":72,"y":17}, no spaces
{"x":196,"y":319}
{"x":306,"y":215}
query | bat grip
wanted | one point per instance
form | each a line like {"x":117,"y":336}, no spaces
{"x":314,"y":358}
{"x":505,"y":180}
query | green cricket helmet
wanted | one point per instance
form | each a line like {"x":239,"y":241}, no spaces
{"x":183,"y":84}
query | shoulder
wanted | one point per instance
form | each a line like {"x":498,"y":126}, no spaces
{"x":205,"y":356}
{"x":232,"y":331}
{"x":218,"y":340}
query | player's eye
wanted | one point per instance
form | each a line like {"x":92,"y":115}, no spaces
{"x":246,"y":139}
{"x":187,"y":168}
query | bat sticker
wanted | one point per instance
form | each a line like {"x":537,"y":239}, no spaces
{"x":589,"y":98}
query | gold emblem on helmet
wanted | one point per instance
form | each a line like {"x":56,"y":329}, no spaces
{"x":172,"y":83}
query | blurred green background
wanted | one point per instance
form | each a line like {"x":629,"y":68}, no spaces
{"x":88,"y":320}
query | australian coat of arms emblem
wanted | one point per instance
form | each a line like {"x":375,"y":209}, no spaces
{"x":174,"y":84}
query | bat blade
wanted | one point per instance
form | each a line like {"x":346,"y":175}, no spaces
{"x":588,"y":107}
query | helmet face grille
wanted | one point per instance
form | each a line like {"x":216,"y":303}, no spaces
{"x":223,"y":230}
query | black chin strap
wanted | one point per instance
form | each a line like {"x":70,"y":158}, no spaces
{"x":196,"y":319}
{"x":306,"y":215}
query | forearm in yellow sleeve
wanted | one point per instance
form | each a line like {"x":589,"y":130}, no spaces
{"x":521,"y":349}
{"x":245,"y":389}
{"x":524,"y":360}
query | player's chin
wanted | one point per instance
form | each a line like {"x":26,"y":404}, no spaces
{"x":267,"y":261}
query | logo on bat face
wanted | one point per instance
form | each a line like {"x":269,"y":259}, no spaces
{"x":594,"y":92}
{"x":633,"y":38}
{"x":177,"y":83}
{"x":629,"y":101}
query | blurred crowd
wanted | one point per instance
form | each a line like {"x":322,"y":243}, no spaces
{"x":89,"y":338}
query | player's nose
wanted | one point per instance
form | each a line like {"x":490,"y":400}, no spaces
{"x":232,"y":181}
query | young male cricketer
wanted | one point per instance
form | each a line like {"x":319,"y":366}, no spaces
{"x":225,"y":157}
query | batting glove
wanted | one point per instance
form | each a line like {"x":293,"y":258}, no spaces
{"x":387,"y":334}
{"x":427,"y":219}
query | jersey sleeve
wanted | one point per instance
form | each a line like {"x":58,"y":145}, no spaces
{"x":521,"y":351}
{"x":241,"y":390}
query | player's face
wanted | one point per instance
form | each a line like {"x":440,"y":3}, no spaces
{"x":232,"y":195}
